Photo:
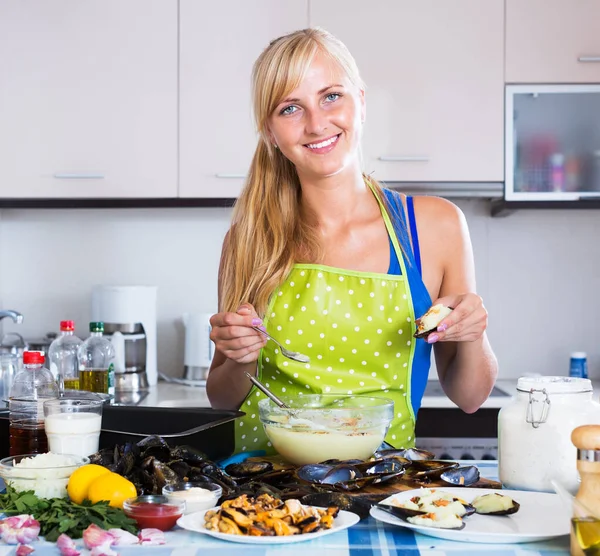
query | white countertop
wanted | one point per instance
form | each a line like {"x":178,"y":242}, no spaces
{"x":168,"y":394}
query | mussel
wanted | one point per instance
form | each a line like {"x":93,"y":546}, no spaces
{"x":495,"y":504}
{"x":429,"y":322}
{"x":429,"y":469}
{"x":424,"y":519}
{"x":410,"y":454}
{"x":249,"y":468}
{"x":461,"y":476}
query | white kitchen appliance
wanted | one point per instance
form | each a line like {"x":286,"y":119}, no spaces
{"x":129,"y":316}
{"x":199,"y":348}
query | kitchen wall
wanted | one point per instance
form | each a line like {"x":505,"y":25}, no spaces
{"x":537,"y":272}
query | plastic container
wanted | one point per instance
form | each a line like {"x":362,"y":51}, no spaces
{"x":33,"y":385}
{"x":578,"y":365}
{"x":63,"y":357}
{"x":96,"y":362}
{"x":154,"y":511}
{"x":345,"y":427}
{"x":534,"y":432}
{"x":197,"y":495}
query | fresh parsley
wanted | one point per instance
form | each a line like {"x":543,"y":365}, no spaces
{"x":60,"y":515}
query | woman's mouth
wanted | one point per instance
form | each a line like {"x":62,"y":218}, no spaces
{"x":324,"y":146}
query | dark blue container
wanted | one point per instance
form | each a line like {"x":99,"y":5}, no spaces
{"x":578,"y":366}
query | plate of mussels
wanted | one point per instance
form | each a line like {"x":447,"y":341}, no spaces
{"x":477,"y":515}
{"x":267,"y":520}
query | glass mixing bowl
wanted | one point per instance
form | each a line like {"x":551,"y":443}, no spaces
{"x":319,"y":427}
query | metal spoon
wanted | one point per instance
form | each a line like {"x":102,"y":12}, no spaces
{"x":293,"y":418}
{"x":294,"y":355}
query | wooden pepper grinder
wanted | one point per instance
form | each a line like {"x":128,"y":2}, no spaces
{"x":587,"y":441}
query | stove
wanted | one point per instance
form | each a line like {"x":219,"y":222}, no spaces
{"x":450,"y":433}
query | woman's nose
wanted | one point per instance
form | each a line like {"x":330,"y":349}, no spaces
{"x":316,"y":122}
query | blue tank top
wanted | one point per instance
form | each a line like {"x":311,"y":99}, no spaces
{"x":420,"y":295}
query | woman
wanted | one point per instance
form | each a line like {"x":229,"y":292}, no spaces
{"x":331,"y":264}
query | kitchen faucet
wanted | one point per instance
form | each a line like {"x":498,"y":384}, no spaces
{"x":14,"y":315}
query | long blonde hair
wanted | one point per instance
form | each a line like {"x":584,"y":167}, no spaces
{"x":268,"y":234}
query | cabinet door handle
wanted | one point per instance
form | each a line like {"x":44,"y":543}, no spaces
{"x":78,"y":176}
{"x":404,"y":158}
{"x":589,"y":59}
{"x":231,"y":176}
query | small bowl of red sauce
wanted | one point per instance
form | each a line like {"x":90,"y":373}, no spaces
{"x":154,"y":511}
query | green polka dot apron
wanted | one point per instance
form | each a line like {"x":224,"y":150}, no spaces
{"x":356,"y":327}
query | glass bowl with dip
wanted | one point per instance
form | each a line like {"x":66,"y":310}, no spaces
{"x":198,"y":495}
{"x":154,"y":511}
{"x":319,"y":427}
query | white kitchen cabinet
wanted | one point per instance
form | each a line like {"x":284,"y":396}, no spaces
{"x":219,"y":43}
{"x":434,"y":85}
{"x":552,"y":41}
{"x":88,"y":99}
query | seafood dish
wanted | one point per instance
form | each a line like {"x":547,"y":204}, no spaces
{"x":268,"y":516}
{"x":433,"y":508}
{"x":443,"y":510}
{"x":495,"y":504}
{"x":429,"y":322}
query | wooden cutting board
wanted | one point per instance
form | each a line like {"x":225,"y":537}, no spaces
{"x":391,"y":487}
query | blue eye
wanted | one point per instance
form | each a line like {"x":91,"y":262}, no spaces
{"x":332,"y":97}
{"x":288,"y":110}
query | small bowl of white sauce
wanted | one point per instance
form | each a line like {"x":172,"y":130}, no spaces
{"x":198,"y":495}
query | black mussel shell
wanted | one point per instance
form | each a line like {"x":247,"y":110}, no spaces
{"x":155,"y":446}
{"x":313,"y":472}
{"x":405,"y":513}
{"x":249,"y":468}
{"x":512,"y":510}
{"x":461,"y":476}
{"x":189,"y":454}
{"x":429,"y":469}
{"x":357,"y":504}
{"x":341,"y":474}
{"x":411,"y":454}
{"x":339,"y":461}
{"x":426,"y":333}
{"x":383,"y":466}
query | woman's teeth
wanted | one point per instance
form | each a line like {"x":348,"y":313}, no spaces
{"x":323,"y":143}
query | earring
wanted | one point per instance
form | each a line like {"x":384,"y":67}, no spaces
{"x":275,"y":145}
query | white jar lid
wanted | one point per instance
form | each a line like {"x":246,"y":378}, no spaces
{"x":555,"y":384}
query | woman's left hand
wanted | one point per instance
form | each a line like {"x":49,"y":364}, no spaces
{"x":466,"y":323}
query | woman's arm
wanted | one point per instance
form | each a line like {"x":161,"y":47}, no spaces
{"x":237,"y":347}
{"x":466,"y":364}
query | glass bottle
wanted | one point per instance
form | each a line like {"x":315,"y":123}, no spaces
{"x":96,"y":362}
{"x":63,"y":357}
{"x":33,"y":385}
{"x":585,"y":524}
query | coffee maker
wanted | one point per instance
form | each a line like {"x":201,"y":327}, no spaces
{"x":129,"y":316}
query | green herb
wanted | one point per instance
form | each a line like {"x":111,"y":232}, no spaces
{"x":60,"y":515}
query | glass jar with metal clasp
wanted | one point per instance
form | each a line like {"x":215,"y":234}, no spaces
{"x":534,"y":432}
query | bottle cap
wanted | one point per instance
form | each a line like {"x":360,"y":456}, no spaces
{"x":96,"y":327}
{"x":33,"y":358}
{"x":67,"y":325}
{"x":579,"y":355}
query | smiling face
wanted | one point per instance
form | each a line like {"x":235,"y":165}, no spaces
{"x":319,"y":124}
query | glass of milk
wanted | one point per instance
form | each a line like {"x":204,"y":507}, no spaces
{"x":73,"y":425}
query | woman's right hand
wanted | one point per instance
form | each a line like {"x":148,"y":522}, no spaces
{"x":234,"y":336}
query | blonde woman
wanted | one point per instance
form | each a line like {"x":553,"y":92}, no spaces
{"x":334,"y":265}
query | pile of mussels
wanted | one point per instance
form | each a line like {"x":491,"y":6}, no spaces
{"x":151,"y":464}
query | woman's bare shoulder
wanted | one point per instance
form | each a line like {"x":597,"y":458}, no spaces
{"x":438,"y":215}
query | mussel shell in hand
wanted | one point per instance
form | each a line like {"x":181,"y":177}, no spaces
{"x":461,"y":476}
{"x":495,"y":504}
{"x":429,"y":322}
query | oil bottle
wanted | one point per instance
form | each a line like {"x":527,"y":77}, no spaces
{"x":585,"y":524}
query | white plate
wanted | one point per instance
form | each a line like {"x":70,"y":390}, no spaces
{"x":195,"y":522}
{"x":541,"y":516}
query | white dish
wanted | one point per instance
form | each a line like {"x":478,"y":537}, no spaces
{"x":195,"y":522}
{"x":541,"y":516}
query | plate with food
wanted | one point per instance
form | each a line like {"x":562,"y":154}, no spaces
{"x":477,"y":514}
{"x":267,"y":520}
